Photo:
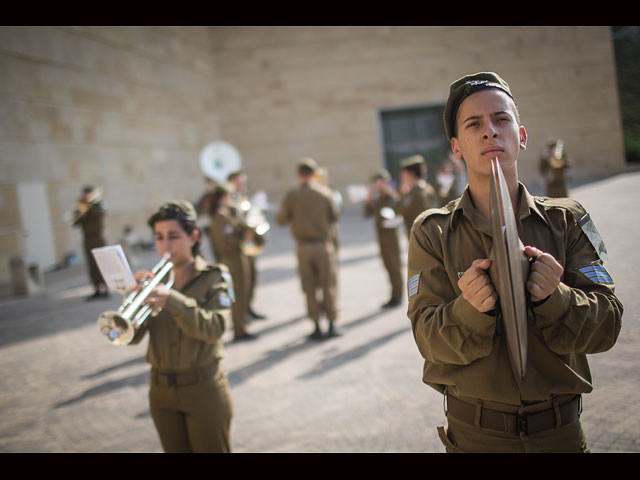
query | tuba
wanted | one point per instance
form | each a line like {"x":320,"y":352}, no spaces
{"x":127,"y":325}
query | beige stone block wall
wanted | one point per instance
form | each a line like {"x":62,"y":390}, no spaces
{"x":125,"y":108}
{"x":287,"y":92}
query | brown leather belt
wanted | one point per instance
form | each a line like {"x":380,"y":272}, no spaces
{"x":183,"y":379}
{"x":515,"y":423}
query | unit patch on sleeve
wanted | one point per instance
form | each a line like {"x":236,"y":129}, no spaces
{"x":596,"y":273}
{"x":412,"y":284}
{"x":590,"y":230}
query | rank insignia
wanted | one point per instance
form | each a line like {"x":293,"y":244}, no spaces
{"x":596,"y":273}
{"x":412,"y":284}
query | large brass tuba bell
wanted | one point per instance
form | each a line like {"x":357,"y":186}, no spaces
{"x":128,"y":325}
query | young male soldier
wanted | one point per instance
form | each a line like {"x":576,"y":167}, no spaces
{"x":383,"y":199}
{"x":311,"y":211}
{"x":452,"y":303}
{"x":416,"y":195}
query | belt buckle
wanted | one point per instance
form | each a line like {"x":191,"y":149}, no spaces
{"x":522,"y":426}
{"x":172,"y":379}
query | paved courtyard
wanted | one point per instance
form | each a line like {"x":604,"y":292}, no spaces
{"x":64,"y":388}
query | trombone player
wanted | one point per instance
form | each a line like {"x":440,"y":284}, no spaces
{"x":455,"y":311}
{"x":189,"y":394}
{"x":89,"y":216}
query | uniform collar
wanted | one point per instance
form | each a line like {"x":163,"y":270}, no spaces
{"x":200,"y":264}
{"x":464,"y":206}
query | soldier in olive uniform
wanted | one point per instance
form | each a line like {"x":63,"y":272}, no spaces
{"x":239,"y":199}
{"x":455,"y":312}
{"x":312,"y":213}
{"x":228,"y":231}
{"x":89,"y":215}
{"x":189,"y":395}
{"x":416,"y":195}
{"x":553,"y":167}
{"x":381,"y":205}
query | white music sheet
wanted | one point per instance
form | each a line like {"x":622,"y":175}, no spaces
{"x":114,"y":267}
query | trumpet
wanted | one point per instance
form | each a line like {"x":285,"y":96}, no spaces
{"x":127,"y":325}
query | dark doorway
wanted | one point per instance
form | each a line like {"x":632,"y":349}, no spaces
{"x":414,"y":131}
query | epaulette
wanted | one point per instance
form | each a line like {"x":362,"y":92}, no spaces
{"x":580,"y":216}
{"x":569,"y":204}
{"x":446,"y":210}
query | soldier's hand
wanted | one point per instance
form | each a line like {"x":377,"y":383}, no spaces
{"x":476,"y":286}
{"x":140,"y":276}
{"x":157,"y":298}
{"x":545,"y":274}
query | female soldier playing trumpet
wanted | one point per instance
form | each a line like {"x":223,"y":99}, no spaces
{"x":189,"y":394}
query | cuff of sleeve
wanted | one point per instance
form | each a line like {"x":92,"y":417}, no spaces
{"x":553,"y":306}
{"x":471,"y":317}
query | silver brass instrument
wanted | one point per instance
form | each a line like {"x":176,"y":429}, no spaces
{"x":256,"y":221}
{"x":557,"y":161}
{"x":128,"y":325}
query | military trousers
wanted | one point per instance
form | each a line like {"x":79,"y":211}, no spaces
{"x":317,"y":270}
{"x":390,"y":252}
{"x":240,"y":271}
{"x":92,"y":266}
{"x":193,"y":418}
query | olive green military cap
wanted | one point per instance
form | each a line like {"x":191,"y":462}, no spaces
{"x":383,"y":174}
{"x":462,"y":88}
{"x":412,"y":161}
{"x":309,"y":163}
{"x":174,"y":210}
{"x":223,"y":187}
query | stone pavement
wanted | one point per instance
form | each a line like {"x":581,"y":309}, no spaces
{"x":64,"y":388}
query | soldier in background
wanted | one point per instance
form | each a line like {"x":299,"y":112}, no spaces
{"x":228,"y":232}
{"x":89,"y":216}
{"x":311,"y":211}
{"x":416,"y":195}
{"x":241,"y":204}
{"x":553,"y":167}
{"x":381,"y":205}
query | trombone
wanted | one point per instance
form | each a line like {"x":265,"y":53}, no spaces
{"x":127,"y":325}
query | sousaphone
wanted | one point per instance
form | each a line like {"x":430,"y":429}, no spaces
{"x":509,"y":270}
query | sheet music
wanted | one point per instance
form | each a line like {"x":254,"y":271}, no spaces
{"x":114,"y":267}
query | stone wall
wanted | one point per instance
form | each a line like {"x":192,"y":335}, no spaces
{"x":130,"y":108}
{"x":127,"y":109}
{"x":287,"y":92}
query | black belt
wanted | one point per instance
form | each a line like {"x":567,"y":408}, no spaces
{"x":515,"y":423}
{"x":182,"y":379}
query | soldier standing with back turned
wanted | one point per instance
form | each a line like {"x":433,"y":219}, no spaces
{"x":454,"y":309}
{"x":312,"y":213}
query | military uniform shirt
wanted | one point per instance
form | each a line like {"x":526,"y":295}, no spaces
{"x":311,"y":211}
{"x":187,"y":333}
{"x":464,"y":352}
{"x":416,"y":201}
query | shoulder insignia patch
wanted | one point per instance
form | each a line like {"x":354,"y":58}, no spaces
{"x":412,"y":284}
{"x":589,"y":229}
{"x":596,"y":273}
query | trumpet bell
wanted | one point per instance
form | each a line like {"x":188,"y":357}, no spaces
{"x":118,"y":329}
{"x":128,"y":325}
